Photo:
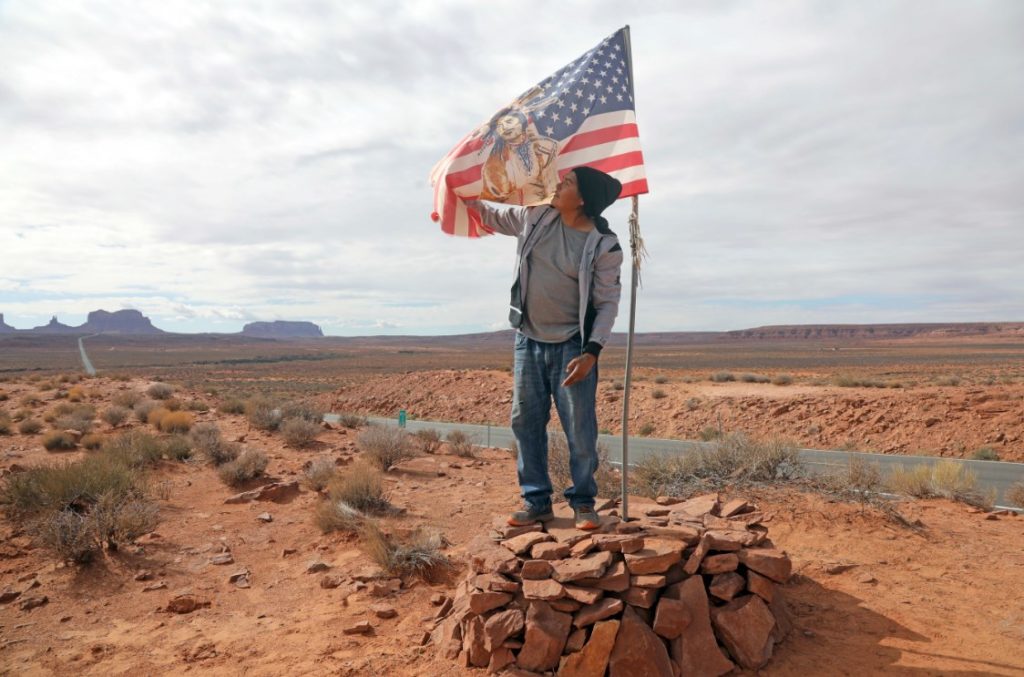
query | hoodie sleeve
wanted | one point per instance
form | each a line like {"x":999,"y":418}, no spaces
{"x":509,"y":221}
{"x":606,"y":290}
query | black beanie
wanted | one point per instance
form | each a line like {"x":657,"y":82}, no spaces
{"x":597,"y":189}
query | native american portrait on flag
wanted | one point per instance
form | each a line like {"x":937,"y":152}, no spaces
{"x":583,"y":114}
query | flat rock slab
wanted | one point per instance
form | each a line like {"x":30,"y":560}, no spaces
{"x":745,"y":627}
{"x":592,"y":565}
{"x":597,"y":612}
{"x":545,"y":589}
{"x":719,"y":564}
{"x":482,"y":602}
{"x":671,"y":618}
{"x":546,"y":633}
{"x":550,"y":551}
{"x":501,"y":626}
{"x":278,"y":492}
{"x":696,"y":650}
{"x":726,"y":586}
{"x":592,"y":660}
{"x":655,"y":558}
{"x":524,"y":542}
{"x":638,"y":650}
{"x":536,"y":569}
{"x":698,"y":505}
{"x":768,"y":562}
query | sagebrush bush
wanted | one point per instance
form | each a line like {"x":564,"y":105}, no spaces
{"x":172,"y":404}
{"x":299,"y":432}
{"x":74,"y":422}
{"x":249,"y":465}
{"x":318,"y":473}
{"x":92,"y":441}
{"x":262,"y":413}
{"x":144,"y":408}
{"x":30,"y":426}
{"x":206,"y":439}
{"x":351,"y":420}
{"x":985,"y":454}
{"x":232,"y":405}
{"x":915,"y":481}
{"x":337,"y":516}
{"x":156,"y":415}
{"x":160,"y":391}
{"x":67,"y":533}
{"x":76,"y":395}
{"x":361,"y":487}
{"x":417,"y":555}
{"x":73,"y":485}
{"x":385,"y":446}
{"x":658,"y":394}
{"x":134,"y":449}
{"x":754,"y":378}
{"x":126,"y":399}
{"x":177,"y":448}
{"x":197,"y":405}
{"x":5,"y":424}
{"x":722,"y":377}
{"x":176,"y":422}
{"x":115,"y":415}
{"x":661,"y":380}
{"x":302,"y":410}
{"x":428,"y":439}
{"x":59,"y":440}
{"x":782,"y":380}
{"x":1015,"y":494}
{"x":460,"y":444}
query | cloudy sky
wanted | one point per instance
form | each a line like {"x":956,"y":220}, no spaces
{"x":215,"y":163}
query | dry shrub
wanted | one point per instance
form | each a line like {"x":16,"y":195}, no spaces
{"x":76,"y":422}
{"x":127,"y":399}
{"x":428,"y":440}
{"x":76,"y":395}
{"x":262,"y":413}
{"x":419,"y":555}
{"x":299,"y":432}
{"x":232,"y":405}
{"x":197,"y":405}
{"x":735,"y":459}
{"x":722,"y":377}
{"x":249,"y":465}
{"x":30,"y":426}
{"x":206,"y":439}
{"x":754,"y":378}
{"x":92,"y":442}
{"x":658,"y":394}
{"x":29,"y":401}
{"x":172,"y":404}
{"x":782,"y":380}
{"x":144,"y":408}
{"x":985,"y":454}
{"x":661,"y":380}
{"x":76,"y":485}
{"x":338,"y":516}
{"x":115,"y":415}
{"x":67,"y":533}
{"x":1015,"y":494}
{"x":176,"y":422}
{"x":5,"y":424}
{"x":953,"y":481}
{"x":460,"y":444}
{"x":121,"y":519}
{"x":352,"y":421}
{"x":58,"y":440}
{"x":609,"y":480}
{"x":318,"y":473}
{"x":914,"y":481}
{"x":646,"y":430}
{"x":156,"y":415}
{"x":303,"y":411}
{"x":618,"y":385}
{"x":134,"y":449}
{"x":693,"y":403}
{"x":385,"y":446}
{"x":4,"y":396}
{"x":160,"y":391}
{"x":362,"y":488}
{"x":177,"y":448}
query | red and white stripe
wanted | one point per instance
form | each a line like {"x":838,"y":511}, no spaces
{"x":609,"y":142}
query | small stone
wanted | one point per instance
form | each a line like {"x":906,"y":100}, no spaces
{"x":222,"y":559}
{"x":577,"y":568}
{"x":656,"y":557}
{"x":760,"y":586}
{"x":565,"y":605}
{"x":615,"y":579}
{"x":546,"y":590}
{"x":144,"y":576}
{"x":695,"y":650}
{"x":655,"y":512}
{"x":582,"y":547}
{"x":668,"y":500}
{"x":725,"y":541}
{"x":592,"y":659}
{"x":648,"y":581}
{"x":546,"y":633}
{"x":502,"y":625}
{"x":9,"y":595}
{"x":288,"y":551}
{"x":769,"y":562}
{"x":637,"y":650}
{"x":499,"y":660}
{"x":671,"y":618}
{"x":522,"y":543}
{"x":29,"y":603}
{"x":727,"y":585}
{"x":699,"y":505}
{"x":735,"y":507}
{"x":550,"y":551}
{"x":241,"y":579}
{"x":589,"y":615}
{"x":265,"y":517}
{"x":438,"y":598}
{"x":383,"y":610}
{"x":184,"y":604}
{"x":628,"y":527}
{"x":583,"y":595}
{"x":331,"y":582}
{"x":482,"y":602}
{"x":577,"y":638}
{"x":358,"y":628}
{"x":744,"y":626}
{"x":316,"y":566}
{"x":639,"y":597}
{"x":160,"y":585}
{"x":866,"y":578}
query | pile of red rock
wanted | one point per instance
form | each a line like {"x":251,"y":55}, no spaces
{"x":687,"y":588}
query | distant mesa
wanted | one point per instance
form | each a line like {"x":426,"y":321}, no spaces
{"x":54,"y":327}
{"x":121,"y":322}
{"x":282,"y":329}
{"x":4,"y":327}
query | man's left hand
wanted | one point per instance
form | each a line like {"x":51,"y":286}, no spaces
{"x":578,"y":368}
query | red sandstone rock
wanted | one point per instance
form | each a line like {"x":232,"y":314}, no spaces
{"x":550,"y":551}
{"x":745,"y":627}
{"x":523,"y":542}
{"x":546,"y":633}
{"x":725,"y":541}
{"x":473,"y":643}
{"x":736,"y":506}
{"x":769,"y":562}
{"x":577,"y":638}
{"x":641,"y":597}
{"x":760,"y":586}
{"x":546,"y":590}
{"x":615,"y":579}
{"x":592,"y":660}
{"x":699,"y":505}
{"x":637,"y":650}
{"x":719,"y":564}
{"x":583,"y":595}
{"x":501,"y":626}
{"x":656,"y":557}
{"x":726,"y":586}
{"x":482,"y":602}
{"x":500,"y":659}
{"x":536,"y":569}
{"x":695,"y":649}
{"x":577,"y":568}
{"x":648,"y":581}
{"x":671,"y":618}
{"x":597,"y":612}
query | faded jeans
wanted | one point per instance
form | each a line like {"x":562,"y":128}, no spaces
{"x":539,"y":371}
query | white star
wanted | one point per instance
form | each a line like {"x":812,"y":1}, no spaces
{"x":600,"y":52}
{"x":554,"y":116}
{"x":565,"y":91}
{"x":609,"y":89}
{"x":619,"y":71}
{"x":586,"y":111}
{"x":591,"y":98}
{"x":573,"y":107}
{"x":604,"y":99}
{"x":541,"y":113}
{"x":579,"y":93}
{"x":619,"y":97}
{"x":549,"y":130}
{"x":568,"y":122}
{"x":604,"y":73}
{"x":617,"y":48}
{"x":594,"y":61}
{"x":598,"y":83}
{"x":585,"y":81}
{"x":621,"y":62}
{"x":614,"y":79}
{"x":623,"y":87}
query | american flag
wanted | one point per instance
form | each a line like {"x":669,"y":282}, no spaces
{"x":583,"y":114}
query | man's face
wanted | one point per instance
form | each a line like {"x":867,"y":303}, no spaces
{"x":510,"y":127}
{"x":567,"y":194}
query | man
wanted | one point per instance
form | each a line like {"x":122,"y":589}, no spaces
{"x":564,"y":302}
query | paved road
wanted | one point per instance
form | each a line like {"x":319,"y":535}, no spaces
{"x":86,"y":362}
{"x":995,"y":474}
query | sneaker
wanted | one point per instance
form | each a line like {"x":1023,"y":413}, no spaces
{"x":586,"y":517}
{"x":529,"y":515}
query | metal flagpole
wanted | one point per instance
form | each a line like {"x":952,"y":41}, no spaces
{"x":636,"y":245}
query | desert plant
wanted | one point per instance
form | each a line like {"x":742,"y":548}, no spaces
{"x":710,"y":432}
{"x":67,"y":533}
{"x":121,"y":519}
{"x":361,"y":487}
{"x":206,"y":439}
{"x":723,"y":377}
{"x":76,"y":395}
{"x":302,"y":410}
{"x":59,"y":440}
{"x":262,"y":413}
{"x":160,"y":391}
{"x":385,"y":446}
{"x":225,"y":452}
{"x":133,"y":448}
{"x":1015,"y":494}
{"x":914,"y":481}
{"x":156,"y":415}
{"x":948,"y":381}
{"x":860,"y":479}
{"x":232,"y":405}
{"x":618,"y":385}
{"x":460,"y":444}
{"x":30,"y":426}
{"x":782,"y":380}
{"x":176,"y":422}
{"x":418,"y":555}
{"x":172,"y":404}
{"x":646,"y":430}
{"x":92,"y":442}
{"x":754,"y":378}
{"x":29,"y":401}
{"x":143,"y":409}
{"x":317,"y":474}
{"x":659,"y":394}
{"x":428,"y":439}
{"x":197,"y":405}
{"x":661,"y":380}
{"x":250,"y":464}
{"x":299,"y":432}
{"x":76,"y":422}
{"x":985,"y":454}
{"x":74,"y":485}
{"x":351,"y":420}
{"x":5,"y":424}
{"x":177,"y":448}
{"x":692,"y":403}
{"x":127,"y":399}
{"x":4,"y":396}
{"x":953,"y":481}
{"x":115,"y":415}
{"x":338,"y":516}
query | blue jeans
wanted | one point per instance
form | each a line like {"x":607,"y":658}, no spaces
{"x":539,"y":372}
